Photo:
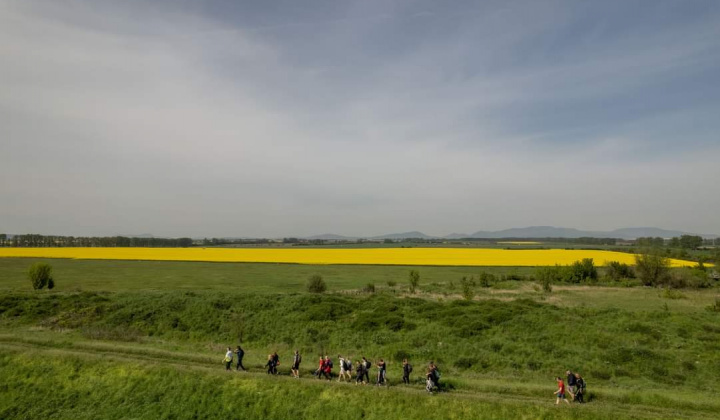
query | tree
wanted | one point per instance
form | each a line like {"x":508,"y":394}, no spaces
{"x":414,"y":279}
{"x":316,"y":284}
{"x":652,"y":268}
{"x":690,"y":241}
{"x":40,"y":275}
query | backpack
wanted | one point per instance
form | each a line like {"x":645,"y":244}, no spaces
{"x":409,"y":368}
{"x":348,"y":365}
{"x":330,"y":364}
{"x":368,"y":365}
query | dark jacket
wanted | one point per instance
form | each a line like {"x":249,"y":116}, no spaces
{"x":580,"y":383}
{"x":571,"y":379}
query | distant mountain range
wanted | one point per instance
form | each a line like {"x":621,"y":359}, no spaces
{"x":532,"y":232}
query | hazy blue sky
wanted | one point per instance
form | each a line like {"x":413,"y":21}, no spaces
{"x":279,"y":118}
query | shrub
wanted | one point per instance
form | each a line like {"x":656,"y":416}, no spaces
{"x":414,"y":279}
{"x":468,"y":292}
{"x":391,"y":283}
{"x":549,"y":275}
{"x":672,"y":294}
{"x":581,"y":271}
{"x":40,"y":275}
{"x":546,"y":286}
{"x":688,"y":278}
{"x":369,"y":288}
{"x":652,"y":268}
{"x":486,"y":279}
{"x":316,"y":284}
{"x":616,"y":271}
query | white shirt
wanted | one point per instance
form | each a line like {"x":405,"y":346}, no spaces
{"x":229,"y":355}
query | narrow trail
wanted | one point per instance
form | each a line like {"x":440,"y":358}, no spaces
{"x":211,"y":366}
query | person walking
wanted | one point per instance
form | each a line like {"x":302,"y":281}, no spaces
{"x":270,"y":365}
{"x":321,"y":365}
{"x":367,"y":365}
{"x":560,"y":392}
{"x":276,"y":362}
{"x":429,"y":381}
{"x":345,"y":368}
{"x":360,"y":370}
{"x":327,"y":368}
{"x":228,"y":358}
{"x":579,"y":388}
{"x":239,"y":353}
{"x":435,"y":373}
{"x":570,"y":384}
{"x":407,"y":370}
{"x":295,"y":368}
{"x":381,"y":372}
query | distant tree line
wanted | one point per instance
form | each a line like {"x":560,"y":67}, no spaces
{"x":683,"y":242}
{"x":91,"y":241}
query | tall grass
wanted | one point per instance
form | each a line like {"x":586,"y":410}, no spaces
{"x":519,"y":338}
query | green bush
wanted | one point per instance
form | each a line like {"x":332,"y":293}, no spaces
{"x":617,"y":271}
{"x":652,"y":268}
{"x":369,"y":288}
{"x":40,"y":275}
{"x":414,"y":280}
{"x":486,"y":279}
{"x":468,"y":290}
{"x":316,"y":284}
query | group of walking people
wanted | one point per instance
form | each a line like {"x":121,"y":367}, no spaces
{"x":325,"y":367}
{"x":575,"y":387}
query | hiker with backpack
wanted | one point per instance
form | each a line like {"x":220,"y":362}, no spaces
{"x":327,"y":368}
{"x":407,"y":370}
{"x":345,"y":368}
{"x":435,"y":373}
{"x":382,"y":370}
{"x":295,"y":368}
{"x":240,"y":353}
{"x":228,"y":359}
{"x":579,"y":388}
{"x":366,"y":369}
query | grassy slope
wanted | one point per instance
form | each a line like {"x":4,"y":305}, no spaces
{"x":82,"y":386}
{"x":488,"y":348}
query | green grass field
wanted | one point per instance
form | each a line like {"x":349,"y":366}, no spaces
{"x":127,"y":339}
{"x":102,"y":275}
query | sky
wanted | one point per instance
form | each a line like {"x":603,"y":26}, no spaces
{"x":287,"y":118}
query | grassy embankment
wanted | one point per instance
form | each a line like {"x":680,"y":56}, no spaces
{"x":498,"y":357}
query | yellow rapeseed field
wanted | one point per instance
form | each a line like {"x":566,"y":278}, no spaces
{"x":366,"y":256}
